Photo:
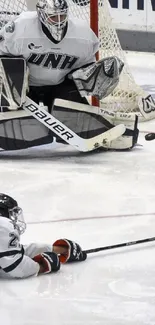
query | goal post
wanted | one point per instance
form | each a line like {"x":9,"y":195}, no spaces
{"x":94,"y":26}
{"x":125,"y":98}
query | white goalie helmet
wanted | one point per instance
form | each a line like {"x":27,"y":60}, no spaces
{"x":54,"y":15}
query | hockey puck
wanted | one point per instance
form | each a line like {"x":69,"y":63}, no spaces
{"x":150,"y":136}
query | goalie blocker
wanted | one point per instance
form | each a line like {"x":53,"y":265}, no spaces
{"x":13,"y":82}
{"x":19,"y":130}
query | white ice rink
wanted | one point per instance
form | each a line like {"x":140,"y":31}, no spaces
{"x":96,"y":200}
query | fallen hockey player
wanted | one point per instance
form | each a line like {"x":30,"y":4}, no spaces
{"x":18,"y":261}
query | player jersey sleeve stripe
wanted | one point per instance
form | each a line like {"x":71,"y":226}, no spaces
{"x":17,"y":256}
{"x":10,"y":253}
{"x":13,"y":266}
{"x":19,"y":266}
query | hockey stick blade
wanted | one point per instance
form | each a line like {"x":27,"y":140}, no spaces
{"x":67,"y":134}
{"x":131,"y":243}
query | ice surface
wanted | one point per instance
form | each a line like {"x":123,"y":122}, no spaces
{"x":96,"y":200}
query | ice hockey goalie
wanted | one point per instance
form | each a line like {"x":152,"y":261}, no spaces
{"x":18,"y":130}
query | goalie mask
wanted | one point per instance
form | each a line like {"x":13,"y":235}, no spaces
{"x":9,"y":209}
{"x":54,"y":15}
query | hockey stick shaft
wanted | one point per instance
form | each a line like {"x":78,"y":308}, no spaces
{"x":68,"y":135}
{"x":131,"y":243}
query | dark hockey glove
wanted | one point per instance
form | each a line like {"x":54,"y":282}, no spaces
{"x":74,"y":252}
{"x":48,"y":261}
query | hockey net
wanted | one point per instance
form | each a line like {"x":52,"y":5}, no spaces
{"x":126,"y":96}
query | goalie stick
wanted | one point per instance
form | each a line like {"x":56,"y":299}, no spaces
{"x":131,"y":243}
{"x":67,"y":134}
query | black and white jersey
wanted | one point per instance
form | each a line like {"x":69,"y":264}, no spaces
{"x":16,"y":259}
{"x":48,"y":62}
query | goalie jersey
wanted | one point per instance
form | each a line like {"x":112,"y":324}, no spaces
{"x":48,"y":62}
{"x":16,"y":259}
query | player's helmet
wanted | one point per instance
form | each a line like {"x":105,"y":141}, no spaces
{"x":54,"y":15}
{"x":9,"y":209}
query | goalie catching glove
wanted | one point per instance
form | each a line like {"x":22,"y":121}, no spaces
{"x":73,"y":251}
{"x":48,"y":261}
{"x":100,"y":78}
